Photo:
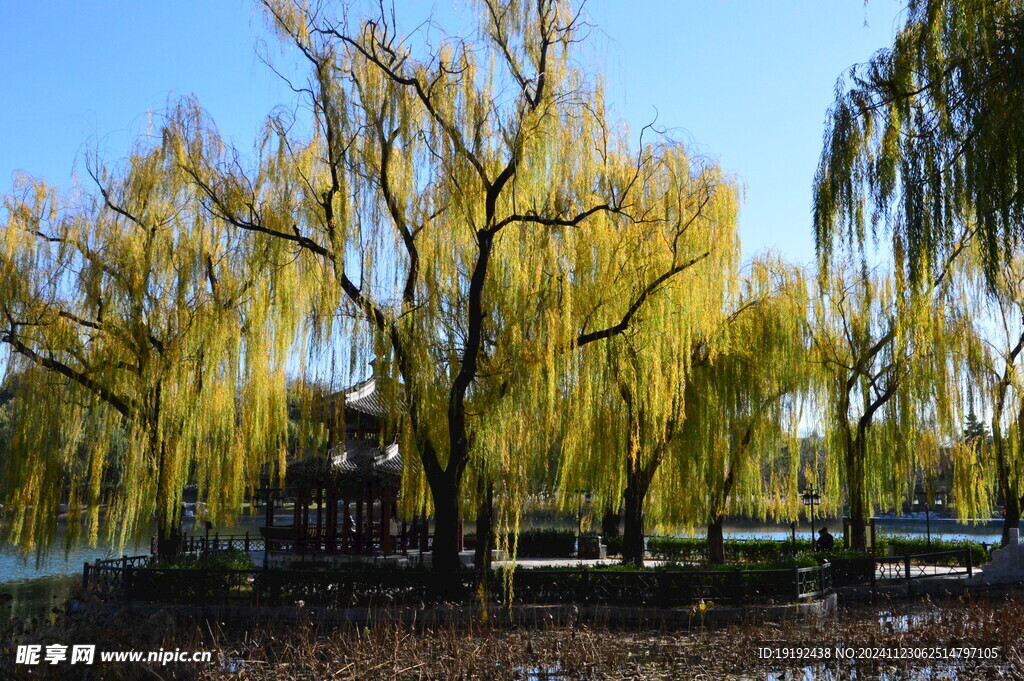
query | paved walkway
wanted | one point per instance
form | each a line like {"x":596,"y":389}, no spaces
{"x":568,"y":562}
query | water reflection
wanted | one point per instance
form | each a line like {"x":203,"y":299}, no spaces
{"x":938,"y":672}
{"x":14,"y":566}
{"x":35,"y":598}
{"x":31,"y":589}
{"x":543,"y":673}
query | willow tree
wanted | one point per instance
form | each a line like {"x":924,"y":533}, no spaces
{"x":446,"y":202}
{"x":930,"y":132}
{"x":676,"y":391}
{"x":889,"y":385}
{"x":996,"y":304}
{"x":122,"y":316}
{"x":626,"y":396}
{"x":738,"y":446}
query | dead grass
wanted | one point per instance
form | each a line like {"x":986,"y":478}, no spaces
{"x":386,"y":651}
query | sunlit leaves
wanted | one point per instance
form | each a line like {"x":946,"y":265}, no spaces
{"x":928,"y":135}
{"x":147,"y":353}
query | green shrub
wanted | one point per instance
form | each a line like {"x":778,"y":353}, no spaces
{"x":762,"y":550}
{"x":546,"y":544}
{"x":229,"y":559}
{"x":195,"y":576}
{"x":677,"y":549}
{"x":614,"y":546}
{"x":902,"y":545}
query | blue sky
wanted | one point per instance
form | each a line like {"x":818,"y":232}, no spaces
{"x":745,"y":81}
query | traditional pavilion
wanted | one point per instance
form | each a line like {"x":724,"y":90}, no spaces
{"x":345,"y":503}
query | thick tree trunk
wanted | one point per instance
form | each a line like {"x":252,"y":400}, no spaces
{"x":1007,"y":490}
{"x":633,"y":529}
{"x":484,"y":528}
{"x":445,"y":483}
{"x":636,"y":487}
{"x":633,"y":516}
{"x":858,"y":526}
{"x":168,"y":541}
{"x":855,"y":492}
{"x":1011,"y":499}
{"x":424,"y":533}
{"x":716,"y":535}
{"x":168,"y":529}
{"x":444,"y":488}
{"x":1012,"y":517}
{"x":716,"y":541}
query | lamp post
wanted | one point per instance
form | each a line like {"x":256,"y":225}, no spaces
{"x":811,"y":498}
{"x":584,"y":498}
{"x":921,"y":497}
{"x":206,"y":542}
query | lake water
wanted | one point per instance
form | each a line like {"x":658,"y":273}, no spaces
{"x":32,"y":588}
{"x":985,"y":531}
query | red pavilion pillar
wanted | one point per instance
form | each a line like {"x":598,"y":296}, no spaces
{"x":385,"y":520}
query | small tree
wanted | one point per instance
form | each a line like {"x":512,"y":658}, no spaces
{"x":698,"y":396}
{"x":743,"y":407}
{"x":889,"y":380}
{"x":974,"y":429}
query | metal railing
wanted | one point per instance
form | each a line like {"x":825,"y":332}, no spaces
{"x":310,"y":543}
{"x":360,"y":586}
{"x":208,"y":544}
{"x":923,"y":565}
{"x":105,"y":578}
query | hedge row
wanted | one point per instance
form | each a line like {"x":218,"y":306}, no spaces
{"x":227,"y":559}
{"x":546,"y":544}
{"x":909,"y":546}
{"x":562,"y":544}
{"x":694,"y":550}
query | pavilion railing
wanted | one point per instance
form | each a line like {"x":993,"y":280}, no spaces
{"x":222,"y":542}
{"x":377,"y":587}
{"x":310,"y":543}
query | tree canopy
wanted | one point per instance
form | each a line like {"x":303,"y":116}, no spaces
{"x":471,"y":214}
{"x":136,"y":326}
{"x":929,"y":135}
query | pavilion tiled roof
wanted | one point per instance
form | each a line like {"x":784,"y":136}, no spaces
{"x":365,"y":457}
{"x":366,"y":399}
{"x":358,"y":457}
